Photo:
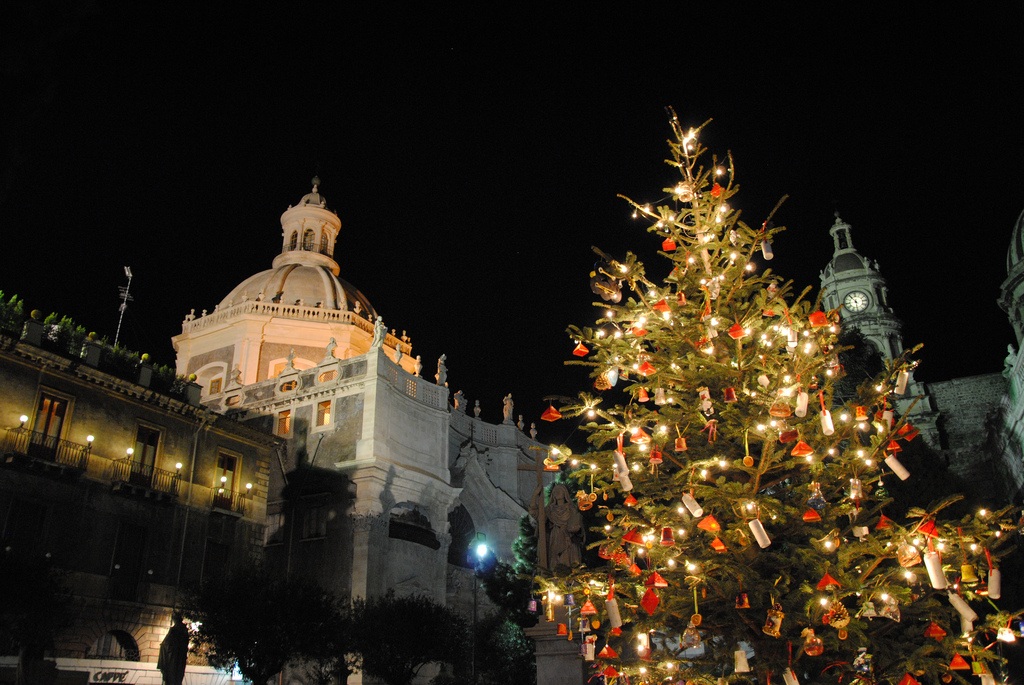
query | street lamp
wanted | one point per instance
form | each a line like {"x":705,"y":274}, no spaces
{"x":481,"y":565}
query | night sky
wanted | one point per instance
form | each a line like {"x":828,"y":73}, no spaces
{"x":474,"y":156}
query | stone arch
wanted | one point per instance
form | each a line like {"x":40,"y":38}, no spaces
{"x":114,"y":644}
{"x":462,"y":532}
{"x":407,"y":522}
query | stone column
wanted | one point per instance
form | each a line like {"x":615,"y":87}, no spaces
{"x":558,"y":659}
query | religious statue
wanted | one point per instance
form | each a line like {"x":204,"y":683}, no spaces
{"x":174,"y":652}
{"x":398,"y":354}
{"x":507,"y":401}
{"x":442,"y":371}
{"x":419,"y":365}
{"x":460,"y":401}
{"x":476,"y":408}
{"x":379,"y":331}
{"x":565,"y":528}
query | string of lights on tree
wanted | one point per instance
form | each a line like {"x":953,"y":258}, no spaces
{"x":743,"y":530}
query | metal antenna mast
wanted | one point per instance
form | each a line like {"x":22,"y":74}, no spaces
{"x":125,"y":299}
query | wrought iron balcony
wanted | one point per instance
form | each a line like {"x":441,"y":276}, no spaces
{"x":146,"y":480}
{"x":29,"y":448}
{"x":229,"y":500}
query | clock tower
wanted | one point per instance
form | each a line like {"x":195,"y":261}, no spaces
{"x":852,"y":284}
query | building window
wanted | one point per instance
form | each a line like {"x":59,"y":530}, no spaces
{"x":323,"y":413}
{"x":50,"y":415}
{"x":227,"y":471}
{"x":327,"y":376}
{"x":307,"y":240}
{"x":314,"y":522}
{"x":116,"y":644}
{"x":323,"y":244}
{"x":288,"y":386}
{"x":146,"y":442}
{"x":215,"y":386}
{"x":294,"y":242}
{"x":284,"y":422}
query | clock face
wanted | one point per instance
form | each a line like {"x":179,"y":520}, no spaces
{"x":856,"y":301}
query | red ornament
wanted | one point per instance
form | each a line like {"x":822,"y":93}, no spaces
{"x":818,"y":319}
{"x":607,"y":653}
{"x":716,"y":190}
{"x":710,"y":524}
{"x":909,"y":680}
{"x":656,"y":580}
{"x":827,"y":581}
{"x":660,"y":306}
{"x":718,"y":545}
{"x":681,"y":444}
{"x":668,"y":245}
{"x":551,"y":414}
{"x":588,"y":609}
{"x":907,"y":432}
{"x":639,"y":331}
{"x":646,"y":369}
{"x":737,"y":331}
{"x":580,"y":350}
{"x":959,"y":663}
{"x":650,"y":601}
{"x":811,"y":516}
{"x":802,"y":449}
{"x":934,"y":631}
{"x":642,"y":396}
{"x":884,"y":523}
{"x":788,"y":436}
{"x":928,"y":528}
{"x":562,"y":629}
{"x":633,"y":536}
{"x":630,"y":500}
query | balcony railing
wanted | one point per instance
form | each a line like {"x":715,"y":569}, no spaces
{"x":40,"y":447}
{"x":126,"y":471}
{"x":229,"y":500}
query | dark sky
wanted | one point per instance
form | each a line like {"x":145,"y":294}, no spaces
{"x":475,"y":154}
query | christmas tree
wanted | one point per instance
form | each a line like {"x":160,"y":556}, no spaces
{"x":738,"y":502}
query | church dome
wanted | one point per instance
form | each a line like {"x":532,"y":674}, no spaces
{"x":849,"y":261}
{"x":296,"y":284}
{"x":1015,"y":255}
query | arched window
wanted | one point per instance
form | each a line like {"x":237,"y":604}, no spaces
{"x":116,"y":644}
{"x":323,"y":243}
{"x":462,"y":530}
{"x":294,"y":242}
{"x":307,"y":240}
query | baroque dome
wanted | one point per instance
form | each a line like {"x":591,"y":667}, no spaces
{"x":296,"y":284}
{"x":305,"y":273}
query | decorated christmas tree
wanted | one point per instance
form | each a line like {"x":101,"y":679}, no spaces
{"x":739,"y":513}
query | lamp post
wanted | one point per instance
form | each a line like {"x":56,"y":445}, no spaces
{"x":482,"y":553}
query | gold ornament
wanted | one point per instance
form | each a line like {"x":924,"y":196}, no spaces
{"x":773,"y":624}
